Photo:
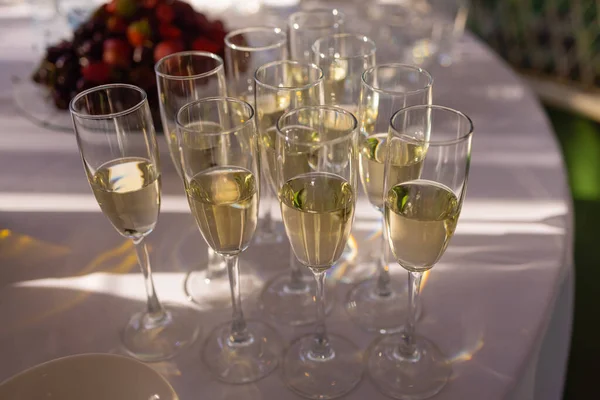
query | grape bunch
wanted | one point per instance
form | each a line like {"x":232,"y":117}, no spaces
{"x":120,"y":42}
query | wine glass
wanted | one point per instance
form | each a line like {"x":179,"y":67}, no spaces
{"x":116,"y":139}
{"x":343,"y":57}
{"x":377,"y":304}
{"x":220,"y":165}
{"x":317,"y":154}
{"x":307,"y":26}
{"x":183,"y":77}
{"x":421,"y":213}
{"x":280,"y":87}
{"x":246,"y":50}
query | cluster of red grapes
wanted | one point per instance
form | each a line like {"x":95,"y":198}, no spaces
{"x":121,"y":42}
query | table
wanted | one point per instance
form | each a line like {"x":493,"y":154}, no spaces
{"x":499,"y":304}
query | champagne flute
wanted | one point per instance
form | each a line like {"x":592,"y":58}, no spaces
{"x":181,"y":78}
{"x":222,"y":186}
{"x":307,"y":26}
{"x":246,"y":50}
{"x":317,"y":208}
{"x":376,"y":304}
{"x":116,"y":139}
{"x":280,"y":87}
{"x":343,"y":57}
{"x":421,"y":213}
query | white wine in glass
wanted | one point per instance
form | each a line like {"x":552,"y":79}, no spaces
{"x":378,"y":304}
{"x":118,"y":147}
{"x":281,"y":86}
{"x":246,"y":50}
{"x":420,"y":217}
{"x":183,"y":77}
{"x":224,"y":202}
{"x":128,"y":192}
{"x":317,"y":209}
{"x":223,"y":193}
{"x":405,"y":165}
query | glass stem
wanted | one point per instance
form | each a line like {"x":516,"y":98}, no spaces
{"x":322,"y":350}
{"x":155,"y":309}
{"x":296,"y":284}
{"x":383,"y":276}
{"x":408,"y":347}
{"x":239,"y":333}
{"x":268,"y":224}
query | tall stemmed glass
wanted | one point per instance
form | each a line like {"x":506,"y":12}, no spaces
{"x":116,"y":139}
{"x":223,"y":189}
{"x":307,"y":26}
{"x":344,"y":57}
{"x":376,"y":304}
{"x":421,"y":213}
{"x":181,"y":78}
{"x":246,"y":50}
{"x":280,"y":87}
{"x":317,"y":207}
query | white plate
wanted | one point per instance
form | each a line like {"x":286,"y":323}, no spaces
{"x":88,"y":377}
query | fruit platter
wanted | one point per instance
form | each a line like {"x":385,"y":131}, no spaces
{"x":119,"y":42}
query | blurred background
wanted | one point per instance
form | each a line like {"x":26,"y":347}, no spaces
{"x":555,"y":45}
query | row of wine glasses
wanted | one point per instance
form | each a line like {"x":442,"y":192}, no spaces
{"x":305,"y":132}
{"x":317,"y":149}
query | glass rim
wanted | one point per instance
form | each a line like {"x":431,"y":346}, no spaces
{"x":226,"y":99}
{"x":341,"y":138}
{"x":189,"y":53}
{"x":338,"y":15}
{"x":361,"y":37}
{"x":410,"y":139}
{"x":288,"y":88}
{"x":398,"y":66}
{"x":134,"y":108}
{"x":272,"y":29}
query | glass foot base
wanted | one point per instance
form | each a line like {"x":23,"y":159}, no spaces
{"x":375,"y":313}
{"x":327,"y":378}
{"x":149,"y":340}
{"x":214,"y":291}
{"x":242,"y":363}
{"x":407,"y":379}
{"x":292,"y":307}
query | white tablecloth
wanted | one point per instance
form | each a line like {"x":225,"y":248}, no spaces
{"x":499,"y":304}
